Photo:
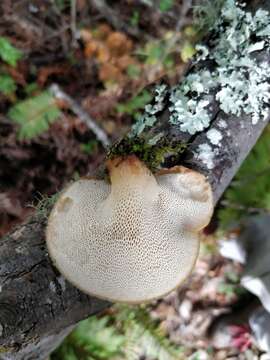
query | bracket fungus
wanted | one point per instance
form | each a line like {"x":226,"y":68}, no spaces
{"x":132,"y":239}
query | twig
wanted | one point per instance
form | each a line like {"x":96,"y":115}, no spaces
{"x":171,"y":14}
{"x":64,"y":40}
{"x":113,"y":17}
{"x":186,"y":6}
{"x":29,"y":29}
{"x":82,"y":114}
{"x":73,"y":25}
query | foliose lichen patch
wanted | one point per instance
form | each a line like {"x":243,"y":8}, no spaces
{"x":149,"y":116}
{"x":206,"y":155}
{"x":214,"y":136}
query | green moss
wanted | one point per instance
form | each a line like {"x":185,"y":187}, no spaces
{"x":151,"y":155}
{"x":45,"y":205}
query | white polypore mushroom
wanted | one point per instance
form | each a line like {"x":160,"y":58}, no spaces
{"x":133,"y":239}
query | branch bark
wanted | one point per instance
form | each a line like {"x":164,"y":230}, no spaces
{"x":38,"y":307}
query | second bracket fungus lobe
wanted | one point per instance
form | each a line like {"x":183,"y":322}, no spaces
{"x":133,"y":239}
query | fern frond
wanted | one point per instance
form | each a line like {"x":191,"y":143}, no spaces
{"x":34,"y":115}
{"x":145,"y":336}
{"x":93,"y":339}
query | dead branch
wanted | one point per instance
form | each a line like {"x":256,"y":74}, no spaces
{"x":82,"y":114}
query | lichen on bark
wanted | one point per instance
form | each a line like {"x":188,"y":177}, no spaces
{"x":238,"y":80}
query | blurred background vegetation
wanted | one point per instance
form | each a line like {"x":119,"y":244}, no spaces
{"x":106,"y":56}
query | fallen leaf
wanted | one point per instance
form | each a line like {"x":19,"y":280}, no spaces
{"x":119,"y":44}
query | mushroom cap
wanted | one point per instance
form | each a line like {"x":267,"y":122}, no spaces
{"x":134,"y":239}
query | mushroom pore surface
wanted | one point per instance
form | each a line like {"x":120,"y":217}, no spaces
{"x":133,"y":239}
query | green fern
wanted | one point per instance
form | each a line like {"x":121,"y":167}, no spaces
{"x":129,"y":333}
{"x":94,"y":338}
{"x":35,"y":114}
{"x":7,"y":84}
{"x":144,"y":336}
{"x":8,"y":53}
{"x":165,"y":5}
{"x":249,"y":192}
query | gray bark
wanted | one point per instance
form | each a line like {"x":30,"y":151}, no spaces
{"x":37,"y":306}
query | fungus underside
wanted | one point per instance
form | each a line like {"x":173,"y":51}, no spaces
{"x":134,"y":238}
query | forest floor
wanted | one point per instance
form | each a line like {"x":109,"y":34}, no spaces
{"x":106,"y":58}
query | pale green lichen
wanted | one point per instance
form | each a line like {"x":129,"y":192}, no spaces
{"x":206,"y":154}
{"x":243,"y":82}
{"x":191,"y":115}
{"x":203,"y":50}
{"x":155,"y":139}
{"x":222,"y":124}
{"x":238,"y":81}
{"x":214,"y":136}
{"x":148,"y":119}
{"x":145,"y":120}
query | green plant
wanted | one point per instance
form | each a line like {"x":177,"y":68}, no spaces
{"x":152,"y":52}
{"x":135,"y":18}
{"x":7,"y":84}
{"x":231,"y":286}
{"x":187,"y":51}
{"x":191,"y":36}
{"x":165,"y":5}
{"x":45,"y":204}
{"x":136,"y":103}
{"x":8,"y":53}
{"x":230,"y":290}
{"x":31,"y":88}
{"x":250,"y":190}
{"x":94,"y":338}
{"x":133,"y":71}
{"x":128,"y":333}
{"x":89,"y":147}
{"x":35,"y":114}
{"x":144,"y":336}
